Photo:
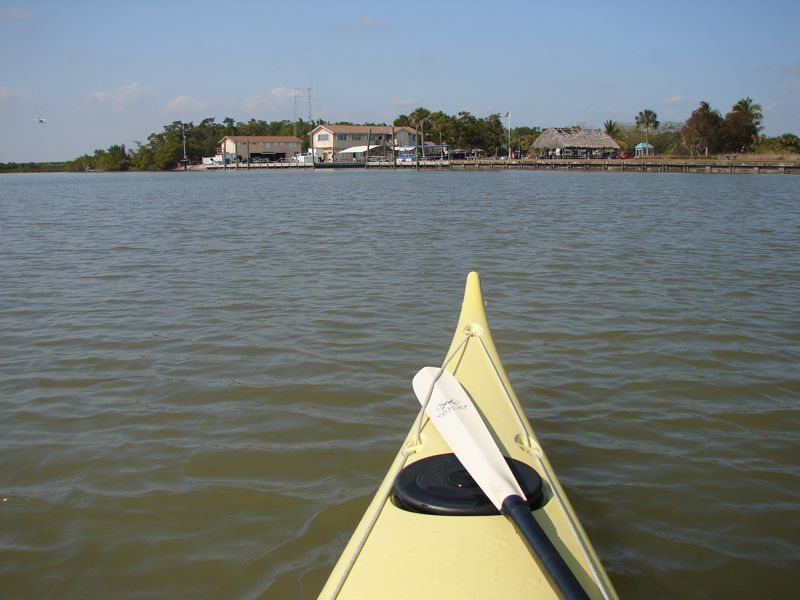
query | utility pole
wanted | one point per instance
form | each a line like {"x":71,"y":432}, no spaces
{"x":508,"y":114}
{"x":185,"y":159}
{"x":300,"y":93}
{"x":311,"y":129}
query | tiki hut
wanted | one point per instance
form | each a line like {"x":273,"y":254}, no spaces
{"x":574,"y":142}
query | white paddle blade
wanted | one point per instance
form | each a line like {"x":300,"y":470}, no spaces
{"x":457,"y":420}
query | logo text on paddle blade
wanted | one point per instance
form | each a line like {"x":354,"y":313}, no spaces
{"x":448,"y":406}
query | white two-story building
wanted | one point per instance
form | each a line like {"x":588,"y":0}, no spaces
{"x":328,"y":140}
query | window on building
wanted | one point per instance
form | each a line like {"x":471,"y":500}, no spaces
{"x":322,"y":137}
{"x":341,"y":137}
{"x":356,"y":137}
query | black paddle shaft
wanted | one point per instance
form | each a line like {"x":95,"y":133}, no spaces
{"x":518,"y":511}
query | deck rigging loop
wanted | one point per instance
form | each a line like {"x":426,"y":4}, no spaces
{"x":473,"y":330}
{"x":418,"y":427}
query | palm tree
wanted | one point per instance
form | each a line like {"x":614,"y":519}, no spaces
{"x":418,"y":117}
{"x":647,"y":120}
{"x":747,"y":106}
{"x":612,"y":129}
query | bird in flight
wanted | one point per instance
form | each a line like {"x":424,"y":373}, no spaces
{"x":40,"y":120}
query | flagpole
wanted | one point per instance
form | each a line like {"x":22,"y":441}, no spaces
{"x":509,"y":134}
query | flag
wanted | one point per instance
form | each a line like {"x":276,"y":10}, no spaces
{"x":505,"y":115}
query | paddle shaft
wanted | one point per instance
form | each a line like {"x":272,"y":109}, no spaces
{"x":519,"y":513}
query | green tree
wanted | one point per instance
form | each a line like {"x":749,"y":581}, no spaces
{"x":402,"y":121}
{"x":612,"y":130}
{"x":737,"y":132}
{"x":113,"y":159}
{"x":82,"y":163}
{"x":302,"y":129}
{"x":670,"y":141}
{"x":702,"y":130}
{"x":495,"y":136}
{"x":442,"y":128}
{"x":468,"y":134}
{"x":419,"y":118}
{"x":647,"y":120}
{"x":782,"y":144}
{"x":746,"y":105}
{"x":789,"y":141}
{"x":202,"y":139}
{"x":741,"y":127}
{"x":142,"y":158}
{"x":522,"y":138}
{"x":165,"y":148}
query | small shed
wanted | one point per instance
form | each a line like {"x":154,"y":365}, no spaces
{"x":574,"y":142}
{"x":644,"y":149}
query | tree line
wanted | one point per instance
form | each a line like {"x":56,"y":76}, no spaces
{"x":463,"y":130}
{"x":31,"y":167}
{"x":164,"y":150}
{"x":705,"y":132}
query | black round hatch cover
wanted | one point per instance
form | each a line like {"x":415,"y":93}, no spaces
{"x":440,"y":485}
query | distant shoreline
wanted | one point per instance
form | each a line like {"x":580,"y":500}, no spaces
{"x":633,"y":165}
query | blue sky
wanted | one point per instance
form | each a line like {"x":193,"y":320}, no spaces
{"x":113,"y":72}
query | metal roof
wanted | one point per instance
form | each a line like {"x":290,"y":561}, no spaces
{"x":262,"y":138}
{"x":363,"y":129}
{"x":358,"y":149}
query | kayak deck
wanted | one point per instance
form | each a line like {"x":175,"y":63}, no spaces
{"x":395,"y":553}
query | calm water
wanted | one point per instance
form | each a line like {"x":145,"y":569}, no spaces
{"x":204,"y":376}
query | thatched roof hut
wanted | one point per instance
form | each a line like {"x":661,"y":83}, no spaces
{"x":561,"y":138}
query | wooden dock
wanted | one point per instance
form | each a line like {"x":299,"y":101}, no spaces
{"x":586,"y":165}
{"x":643,"y":166}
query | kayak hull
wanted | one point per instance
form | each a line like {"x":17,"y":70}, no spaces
{"x":395,"y":553}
